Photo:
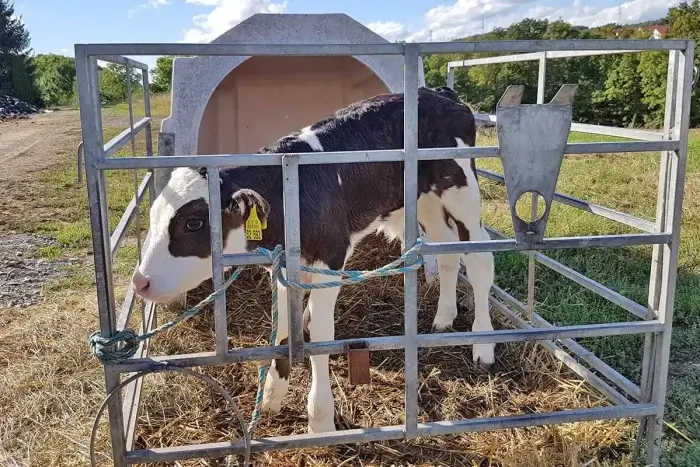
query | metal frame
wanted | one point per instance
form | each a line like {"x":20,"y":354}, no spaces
{"x":645,"y":402}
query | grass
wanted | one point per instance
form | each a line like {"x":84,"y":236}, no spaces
{"x":50,"y":386}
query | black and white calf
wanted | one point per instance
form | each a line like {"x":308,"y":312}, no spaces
{"x":339,"y":205}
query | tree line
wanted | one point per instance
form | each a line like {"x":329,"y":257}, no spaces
{"x":619,"y":90}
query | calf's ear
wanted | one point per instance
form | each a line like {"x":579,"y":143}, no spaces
{"x":243,"y":201}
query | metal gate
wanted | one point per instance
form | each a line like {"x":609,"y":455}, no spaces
{"x":645,"y":402}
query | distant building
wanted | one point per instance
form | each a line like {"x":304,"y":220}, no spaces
{"x":657,"y":31}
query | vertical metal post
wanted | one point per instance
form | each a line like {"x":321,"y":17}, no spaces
{"x":132,"y":137}
{"x":220,"y":324}
{"x":166,"y":147}
{"x":292,"y":248}
{"x":450,"y":77}
{"x":91,"y":124}
{"x":531,"y":264}
{"x":149,"y":134}
{"x":657,"y":252}
{"x":410,"y":142}
{"x":670,"y":253}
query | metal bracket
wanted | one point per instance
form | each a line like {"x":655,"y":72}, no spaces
{"x":358,"y":364}
{"x":532,"y":139}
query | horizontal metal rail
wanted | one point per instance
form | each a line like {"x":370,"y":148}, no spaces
{"x":556,"y":243}
{"x":599,"y":289}
{"x":580,"y":351}
{"x":374,"y":49}
{"x":590,"y":377}
{"x":584,"y":205}
{"x":119,"y":233}
{"x":534,"y":56}
{"x":124,"y":137}
{"x":120,"y":59}
{"x":240,"y":259}
{"x":350,"y":157}
{"x":629,"y":133}
{"x":360,"y":435}
{"x":394,"y":343}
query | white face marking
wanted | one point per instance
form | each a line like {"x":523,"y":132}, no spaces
{"x":340,"y":182}
{"x":170,"y":276}
{"x":308,"y":136}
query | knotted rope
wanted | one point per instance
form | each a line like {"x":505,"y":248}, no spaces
{"x":106,"y":348}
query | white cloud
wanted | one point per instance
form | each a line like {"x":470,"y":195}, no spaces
{"x":389,"y":30}
{"x":155,"y":4}
{"x":468,"y":17}
{"x":225,"y":15}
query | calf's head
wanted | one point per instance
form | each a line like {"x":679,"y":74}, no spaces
{"x":177,"y":249}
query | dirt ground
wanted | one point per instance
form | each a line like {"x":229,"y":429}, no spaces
{"x":28,"y":146}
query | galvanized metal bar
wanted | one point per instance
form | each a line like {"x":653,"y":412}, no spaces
{"x":580,"y":351}
{"x":121,"y":60}
{"x":132,"y":397}
{"x":245,"y":258}
{"x":595,"y":287}
{"x":119,"y":233}
{"x":91,"y":126}
{"x":655,"y":275}
{"x":380,"y":49}
{"x":632,"y":133}
{"x":596,"y":209}
{"x":670,"y":255}
{"x":216,"y":239}
{"x":410,"y":228}
{"x":341,"y":346}
{"x":80,"y":160}
{"x":527,"y":57}
{"x":244,"y":50}
{"x":292,"y":248}
{"x":222,"y":160}
{"x":541,"y":81}
{"x":363,"y":435}
{"x":547,"y":46}
{"x":450,"y":77}
{"x":584,"y":281}
{"x":590,"y":377}
{"x":148,"y":133}
{"x":433,"y":154}
{"x":557,"y":243}
{"x":132,"y":138}
{"x":124,"y":137}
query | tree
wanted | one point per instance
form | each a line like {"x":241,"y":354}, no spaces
{"x":14,"y":41}
{"x":162,"y":74}
{"x":55,"y":75}
{"x":113,"y":80}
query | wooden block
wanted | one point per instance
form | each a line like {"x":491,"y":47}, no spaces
{"x":358,"y":364}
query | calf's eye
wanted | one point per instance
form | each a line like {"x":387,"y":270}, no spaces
{"x":194,"y":225}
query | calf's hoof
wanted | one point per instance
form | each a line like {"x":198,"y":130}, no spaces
{"x":321,"y":425}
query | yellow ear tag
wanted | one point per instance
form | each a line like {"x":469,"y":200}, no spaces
{"x":253,"y":226}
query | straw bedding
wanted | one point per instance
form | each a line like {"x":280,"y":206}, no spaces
{"x":526,"y":379}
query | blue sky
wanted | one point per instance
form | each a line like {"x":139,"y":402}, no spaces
{"x":56,"y":25}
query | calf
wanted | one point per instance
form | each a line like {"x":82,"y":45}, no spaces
{"x":339,"y":205}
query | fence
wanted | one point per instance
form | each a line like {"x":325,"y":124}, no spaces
{"x":645,"y":402}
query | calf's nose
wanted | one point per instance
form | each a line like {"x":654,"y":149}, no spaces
{"x":140,"y":282}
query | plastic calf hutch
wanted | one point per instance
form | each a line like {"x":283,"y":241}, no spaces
{"x":644,"y":402}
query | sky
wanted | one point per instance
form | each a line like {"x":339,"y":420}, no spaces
{"x":56,"y":25}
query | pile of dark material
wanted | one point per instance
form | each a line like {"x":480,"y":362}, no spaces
{"x":11,"y":107}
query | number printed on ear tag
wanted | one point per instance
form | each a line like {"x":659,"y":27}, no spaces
{"x":253,"y":226}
